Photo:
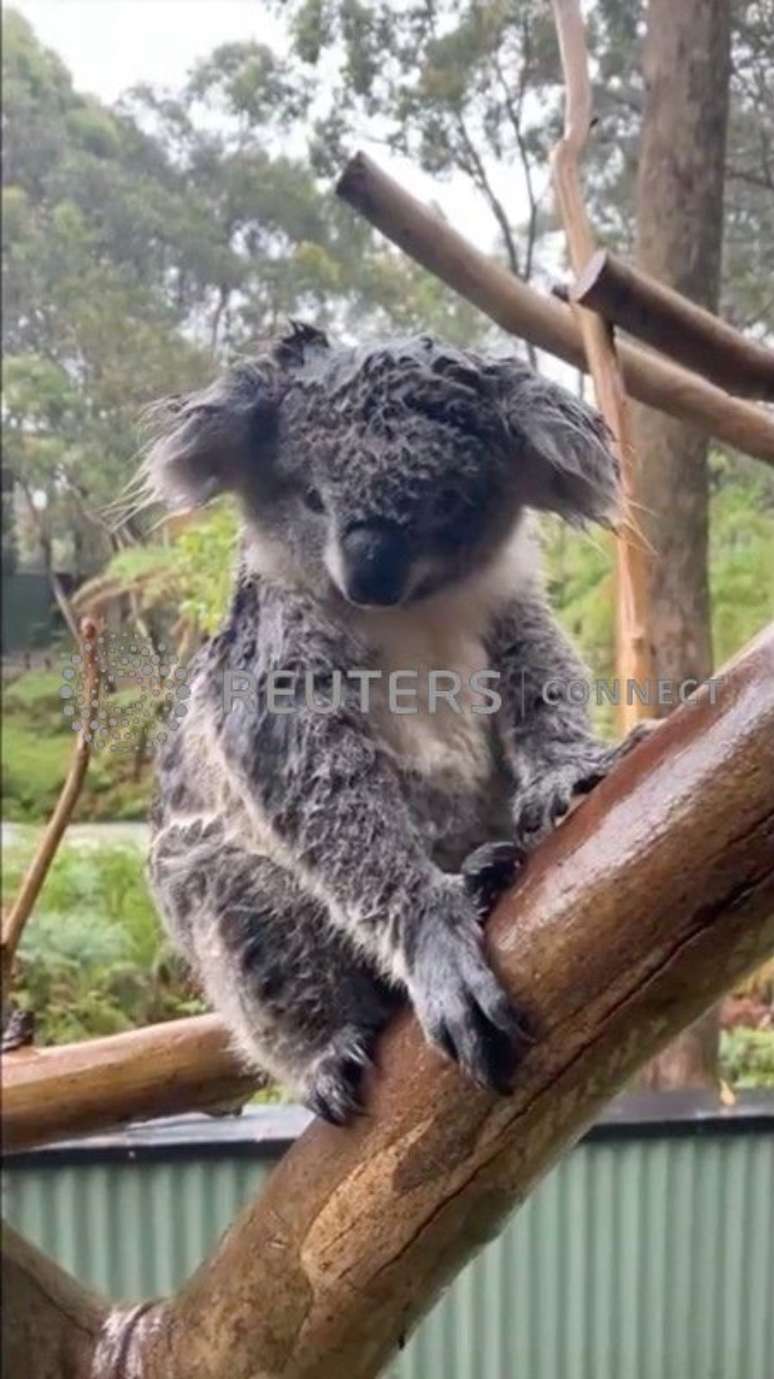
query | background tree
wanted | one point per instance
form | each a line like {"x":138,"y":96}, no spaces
{"x":679,"y":220}
{"x":139,"y":241}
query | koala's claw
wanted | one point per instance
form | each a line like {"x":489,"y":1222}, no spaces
{"x":543,"y":807}
{"x":488,"y":871}
{"x":335,"y":1086}
{"x":464,"y":1010}
{"x":550,"y":797}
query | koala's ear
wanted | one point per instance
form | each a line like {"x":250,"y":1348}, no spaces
{"x":562,"y":448}
{"x":205,"y":443}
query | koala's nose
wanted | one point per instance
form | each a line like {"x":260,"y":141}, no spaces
{"x":376,"y":563}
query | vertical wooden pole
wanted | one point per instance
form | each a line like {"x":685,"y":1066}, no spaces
{"x":634,"y":660}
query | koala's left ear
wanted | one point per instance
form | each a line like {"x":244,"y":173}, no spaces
{"x":561,"y":447}
{"x":205,"y":443}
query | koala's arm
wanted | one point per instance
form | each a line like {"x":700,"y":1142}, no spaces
{"x":551,"y":749}
{"x":330,"y":795}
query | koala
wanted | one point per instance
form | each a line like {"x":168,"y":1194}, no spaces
{"x":321,"y":864}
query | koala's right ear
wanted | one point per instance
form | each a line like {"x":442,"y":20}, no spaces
{"x":565,"y":460}
{"x":204,"y":443}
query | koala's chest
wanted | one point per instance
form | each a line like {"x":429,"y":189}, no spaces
{"x":425,"y":705}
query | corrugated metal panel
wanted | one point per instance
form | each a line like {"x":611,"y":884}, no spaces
{"x":636,"y":1259}
{"x":131,"y":1230}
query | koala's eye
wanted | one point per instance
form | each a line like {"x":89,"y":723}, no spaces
{"x":313,"y":501}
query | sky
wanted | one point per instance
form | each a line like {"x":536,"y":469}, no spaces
{"x":110,"y":45}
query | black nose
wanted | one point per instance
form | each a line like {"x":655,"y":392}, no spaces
{"x":376,"y":563}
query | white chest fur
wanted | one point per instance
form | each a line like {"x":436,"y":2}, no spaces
{"x":422,"y":704}
{"x":441,"y":641}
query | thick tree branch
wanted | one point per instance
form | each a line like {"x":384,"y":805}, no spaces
{"x":77,"y":1089}
{"x":668,"y":321}
{"x":549,"y":324}
{"x":51,"y":1326}
{"x":645,"y":905}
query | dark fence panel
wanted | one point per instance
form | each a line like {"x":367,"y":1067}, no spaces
{"x":30,"y":615}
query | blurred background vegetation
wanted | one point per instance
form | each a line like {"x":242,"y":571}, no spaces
{"x":147,"y":241}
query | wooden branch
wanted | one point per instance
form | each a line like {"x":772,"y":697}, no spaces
{"x":51,"y":1325}
{"x":76,"y":1089}
{"x":648,"y":902}
{"x":545,"y":321}
{"x":634,"y":658}
{"x":669,"y":322}
{"x":13,"y":923}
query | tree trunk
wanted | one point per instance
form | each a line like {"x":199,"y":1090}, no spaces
{"x":679,"y":240}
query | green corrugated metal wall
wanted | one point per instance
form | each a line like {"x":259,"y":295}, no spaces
{"x":636,"y":1259}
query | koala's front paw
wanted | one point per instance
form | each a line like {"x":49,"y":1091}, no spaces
{"x":544,"y":802}
{"x":459,"y":1001}
{"x":539,"y":808}
{"x":488,"y":871}
{"x":334,"y":1091}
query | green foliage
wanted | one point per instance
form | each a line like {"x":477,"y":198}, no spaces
{"x":580,"y":568}
{"x":36,"y":695}
{"x":37,"y":748}
{"x":580,"y":575}
{"x":141,"y":239}
{"x":741,"y":561}
{"x":205,"y":552}
{"x":93,"y":959}
{"x":191,"y":573}
{"x":34,"y":769}
{"x":747,"y":1057}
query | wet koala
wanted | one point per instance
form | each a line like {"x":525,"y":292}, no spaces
{"x":325,"y":842}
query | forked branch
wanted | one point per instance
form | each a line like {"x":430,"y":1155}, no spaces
{"x":642,"y":909}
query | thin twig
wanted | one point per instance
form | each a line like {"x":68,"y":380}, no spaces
{"x":15,"y":920}
{"x":634,"y":655}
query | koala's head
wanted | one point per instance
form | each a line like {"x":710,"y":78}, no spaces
{"x":388,"y":472}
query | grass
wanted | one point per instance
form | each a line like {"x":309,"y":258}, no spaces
{"x":34,"y":767}
{"x":36,"y":694}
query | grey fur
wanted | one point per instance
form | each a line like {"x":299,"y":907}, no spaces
{"x":310,"y":864}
